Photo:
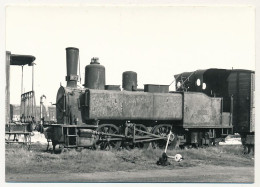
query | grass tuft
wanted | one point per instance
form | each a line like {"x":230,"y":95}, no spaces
{"x":20,"y":160}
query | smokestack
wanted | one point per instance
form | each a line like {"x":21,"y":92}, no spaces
{"x":72,"y":57}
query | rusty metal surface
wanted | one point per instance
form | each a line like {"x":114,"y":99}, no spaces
{"x":85,"y":141}
{"x":72,"y":57}
{"x":167,"y":106}
{"x":134,"y":105}
{"x":73,"y":108}
{"x":201,"y":110}
{"x":68,"y":109}
{"x":224,"y":83}
{"x":226,"y":121}
{"x":156,"y":88}
{"x":112,"y":87}
{"x":57,"y":134}
{"x":60,"y":105}
{"x":138,"y":105}
{"x":105,"y":104}
{"x":95,"y":77}
{"x":129,"y":81}
{"x":120,"y":105}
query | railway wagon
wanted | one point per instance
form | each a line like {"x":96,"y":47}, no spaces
{"x":102,"y":116}
{"x":236,"y":87}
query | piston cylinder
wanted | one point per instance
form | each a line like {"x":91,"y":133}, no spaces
{"x":72,"y":57}
{"x":130,"y":81}
{"x":95,"y":76}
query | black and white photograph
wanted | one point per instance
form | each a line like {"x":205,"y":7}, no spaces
{"x":134,"y":92}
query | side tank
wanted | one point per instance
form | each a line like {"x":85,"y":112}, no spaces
{"x":130,"y":81}
{"x":95,"y":77}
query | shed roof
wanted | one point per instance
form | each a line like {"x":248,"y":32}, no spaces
{"x":20,"y":60}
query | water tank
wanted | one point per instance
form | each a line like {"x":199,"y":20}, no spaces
{"x":130,"y":81}
{"x":95,"y":75}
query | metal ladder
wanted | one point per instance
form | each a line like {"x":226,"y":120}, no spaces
{"x":71,"y":137}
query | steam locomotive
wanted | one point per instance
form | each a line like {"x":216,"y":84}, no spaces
{"x":102,"y":116}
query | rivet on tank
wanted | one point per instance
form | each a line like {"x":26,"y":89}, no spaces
{"x":130,"y":81}
{"x":95,"y":76}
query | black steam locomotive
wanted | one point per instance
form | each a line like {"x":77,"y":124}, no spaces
{"x":102,"y":116}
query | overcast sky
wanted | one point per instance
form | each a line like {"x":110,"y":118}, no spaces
{"x":157,"y":42}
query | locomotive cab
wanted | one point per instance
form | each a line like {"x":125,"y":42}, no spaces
{"x":212,"y":82}
{"x":235,"y":86}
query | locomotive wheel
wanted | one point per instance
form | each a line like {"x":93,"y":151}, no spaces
{"x":140,"y":145}
{"x":104,"y":142}
{"x":162,"y":130}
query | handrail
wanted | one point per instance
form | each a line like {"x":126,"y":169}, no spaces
{"x":28,"y":107}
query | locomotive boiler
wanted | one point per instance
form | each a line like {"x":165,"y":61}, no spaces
{"x":102,"y":116}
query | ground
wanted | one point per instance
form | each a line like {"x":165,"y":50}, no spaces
{"x":216,"y":174}
{"x":222,"y":164}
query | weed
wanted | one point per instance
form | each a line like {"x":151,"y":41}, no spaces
{"x":20,"y":160}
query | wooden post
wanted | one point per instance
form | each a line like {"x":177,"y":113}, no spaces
{"x":7,"y":88}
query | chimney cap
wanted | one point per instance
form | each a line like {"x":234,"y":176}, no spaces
{"x":74,"y":48}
